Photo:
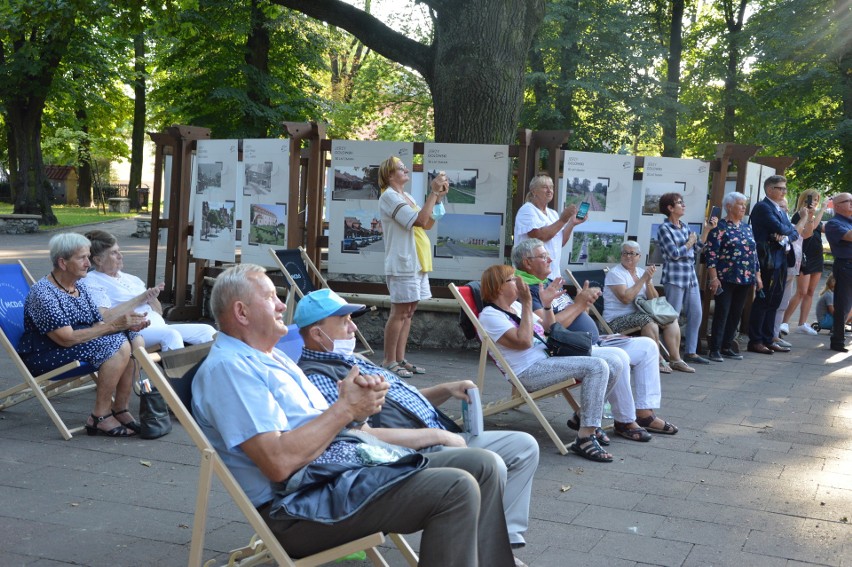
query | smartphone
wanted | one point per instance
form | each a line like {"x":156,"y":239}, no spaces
{"x":810,"y":201}
{"x":583,"y":210}
{"x":716,"y":212}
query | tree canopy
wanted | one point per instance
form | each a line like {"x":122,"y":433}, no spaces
{"x":651,"y":77}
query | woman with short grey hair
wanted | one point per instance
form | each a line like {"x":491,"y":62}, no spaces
{"x":733,"y":271}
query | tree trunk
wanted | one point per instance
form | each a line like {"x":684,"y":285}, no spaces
{"x":730,"y":96}
{"x":477,"y":71}
{"x":671,"y":148}
{"x":257,"y":56}
{"x":137,"y":139}
{"x":568,"y":70}
{"x":31,"y":188}
{"x":84,"y":158}
{"x":474,"y":66}
{"x":845,"y":65}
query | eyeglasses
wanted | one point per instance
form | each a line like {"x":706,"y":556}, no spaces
{"x":631,"y":254}
{"x":678,"y":202}
{"x":402,"y":168}
{"x":841,"y":202}
{"x":544,"y":257}
{"x":780,"y":188}
{"x":510,"y":280}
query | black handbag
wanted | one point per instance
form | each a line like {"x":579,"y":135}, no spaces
{"x":564,"y":342}
{"x":153,"y":412}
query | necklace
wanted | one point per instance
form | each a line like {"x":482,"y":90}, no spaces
{"x":62,"y":287}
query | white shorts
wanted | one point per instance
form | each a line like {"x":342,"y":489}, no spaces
{"x":409,"y":289}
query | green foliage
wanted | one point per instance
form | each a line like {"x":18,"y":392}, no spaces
{"x":202,"y":78}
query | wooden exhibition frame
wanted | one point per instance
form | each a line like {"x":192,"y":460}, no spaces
{"x":535,"y":152}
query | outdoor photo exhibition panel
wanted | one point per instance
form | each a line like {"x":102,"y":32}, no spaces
{"x":605,"y":181}
{"x":471,"y":236}
{"x":355,"y":235}
{"x":264,"y":194}
{"x":687,"y":177}
{"x":215,"y":190}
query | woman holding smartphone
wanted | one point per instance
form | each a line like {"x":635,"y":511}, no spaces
{"x":536,"y":220}
{"x":812,"y":261}
{"x":679,"y":246}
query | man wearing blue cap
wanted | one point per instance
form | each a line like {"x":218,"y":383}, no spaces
{"x":325,"y":323}
{"x":315,"y":474}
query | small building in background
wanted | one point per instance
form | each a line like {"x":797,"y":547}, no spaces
{"x":63,"y":180}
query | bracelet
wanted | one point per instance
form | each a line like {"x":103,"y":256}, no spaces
{"x":547,"y":308}
{"x":355,"y":424}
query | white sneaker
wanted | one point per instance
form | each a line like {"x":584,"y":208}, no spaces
{"x":806,"y":330}
{"x":784,"y":329}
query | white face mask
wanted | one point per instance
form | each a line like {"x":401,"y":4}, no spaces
{"x":341,"y":346}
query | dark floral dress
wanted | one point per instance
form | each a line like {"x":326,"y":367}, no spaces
{"x":47,"y":309}
{"x":732,"y":251}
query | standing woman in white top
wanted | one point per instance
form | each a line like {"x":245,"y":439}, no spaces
{"x":405,"y":225}
{"x":535,"y":220}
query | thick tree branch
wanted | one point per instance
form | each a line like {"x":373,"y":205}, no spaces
{"x":371,"y":31}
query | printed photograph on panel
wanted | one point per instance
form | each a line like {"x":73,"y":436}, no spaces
{"x":362,"y":230}
{"x":258,"y":180}
{"x":217,"y":216}
{"x":592,"y":191}
{"x":654,"y":253}
{"x":462,"y":185}
{"x":209,"y":176}
{"x":598,"y":242}
{"x":653,"y":192}
{"x":267,"y":224}
{"x":469,"y":235}
{"x":361,"y":182}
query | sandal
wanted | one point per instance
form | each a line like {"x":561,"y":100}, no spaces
{"x":132,"y":424}
{"x":588,"y":448}
{"x":665,"y":368}
{"x":600,"y":434}
{"x":397,"y":369}
{"x":411,"y":368}
{"x":634,"y":434}
{"x":120,"y":431}
{"x":667,"y":429}
{"x":682,"y":366}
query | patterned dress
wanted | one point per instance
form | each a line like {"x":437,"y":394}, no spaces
{"x":47,"y":309}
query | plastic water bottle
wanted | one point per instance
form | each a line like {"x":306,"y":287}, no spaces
{"x":607,"y":411}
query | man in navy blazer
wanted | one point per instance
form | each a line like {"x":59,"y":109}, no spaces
{"x":773,"y":234}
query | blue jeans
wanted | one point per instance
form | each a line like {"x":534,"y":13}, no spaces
{"x":686,"y":301}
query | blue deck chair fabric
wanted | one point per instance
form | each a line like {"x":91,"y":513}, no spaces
{"x":291,"y":343}
{"x":14,"y":288}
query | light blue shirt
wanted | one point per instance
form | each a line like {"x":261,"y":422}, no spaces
{"x":240,"y":392}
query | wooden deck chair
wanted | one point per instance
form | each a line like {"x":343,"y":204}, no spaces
{"x":520,"y":395}
{"x":15,"y":283}
{"x":298,"y":268}
{"x":599,"y":276}
{"x":263,"y":547}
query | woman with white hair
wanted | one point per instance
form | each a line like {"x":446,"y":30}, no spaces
{"x":536,"y":220}
{"x":733,"y":271}
{"x":63,"y":324}
{"x":624,"y":283}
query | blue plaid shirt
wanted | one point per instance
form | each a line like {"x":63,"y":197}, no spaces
{"x":679,"y":261}
{"x":399,"y":391}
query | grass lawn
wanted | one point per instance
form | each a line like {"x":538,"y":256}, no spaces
{"x":70,"y":216}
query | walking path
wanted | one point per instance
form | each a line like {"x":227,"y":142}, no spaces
{"x":759,"y":475}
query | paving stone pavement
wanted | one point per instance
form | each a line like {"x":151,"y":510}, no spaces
{"x":759,"y":474}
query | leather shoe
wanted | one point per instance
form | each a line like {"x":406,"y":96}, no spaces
{"x":839,"y":348}
{"x":731,"y":354}
{"x":778,"y":348}
{"x":759,"y":348}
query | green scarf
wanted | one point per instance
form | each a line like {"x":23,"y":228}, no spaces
{"x":529,"y":278}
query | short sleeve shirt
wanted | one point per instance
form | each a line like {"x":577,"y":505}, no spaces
{"x":529,"y":218}
{"x":613,"y":307}
{"x":398,"y":218}
{"x":496,"y":323}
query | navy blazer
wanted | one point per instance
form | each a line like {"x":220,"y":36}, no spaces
{"x":767,"y":219}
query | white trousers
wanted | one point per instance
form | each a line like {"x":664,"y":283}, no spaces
{"x":171,"y":337}
{"x":640,"y":355}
